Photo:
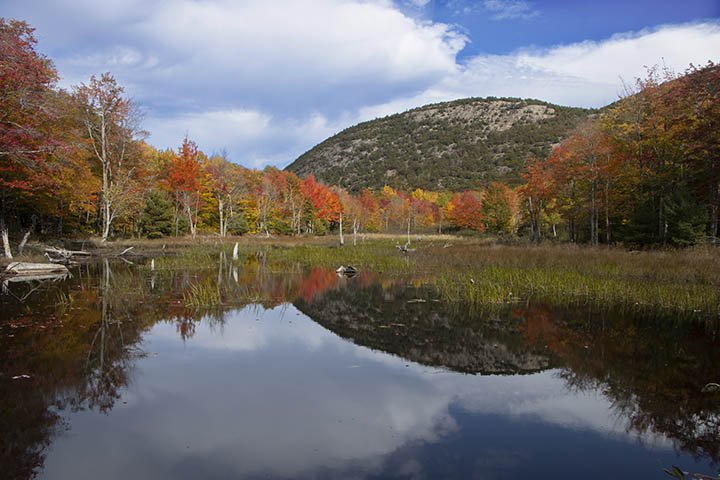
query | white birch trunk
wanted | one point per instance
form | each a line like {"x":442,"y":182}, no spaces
{"x":221,"y":209}
{"x":342,"y":239}
{"x":6,"y":241}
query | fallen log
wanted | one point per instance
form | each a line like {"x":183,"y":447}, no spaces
{"x":8,"y":279}
{"x":66,"y":254}
{"x":25,"y":268}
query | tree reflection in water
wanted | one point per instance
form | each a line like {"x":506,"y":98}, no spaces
{"x":79,"y":342}
{"x":110,"y":359}
{"x":652,"y":370}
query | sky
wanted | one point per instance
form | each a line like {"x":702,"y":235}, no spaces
{"x":264,"y":81}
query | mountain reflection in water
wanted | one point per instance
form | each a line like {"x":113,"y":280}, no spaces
{"x":307,"y":375}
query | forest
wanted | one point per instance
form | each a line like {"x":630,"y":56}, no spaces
{"x":644,"y":171}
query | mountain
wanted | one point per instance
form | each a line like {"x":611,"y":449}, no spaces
{"x":463,"y":144}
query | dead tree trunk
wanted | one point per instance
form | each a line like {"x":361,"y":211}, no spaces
{"x":342,"y":239}
{"x":5,"y":239}
{"x":25,"y":238}
{"x":355,"y":230}
{"x":221,"y":211}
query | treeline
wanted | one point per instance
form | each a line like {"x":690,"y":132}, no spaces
{"x":643,"y":171}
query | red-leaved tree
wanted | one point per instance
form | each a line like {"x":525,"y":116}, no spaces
{"x":26,"y":81}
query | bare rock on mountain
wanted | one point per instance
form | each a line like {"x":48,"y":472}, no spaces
{"x":456,"y":145}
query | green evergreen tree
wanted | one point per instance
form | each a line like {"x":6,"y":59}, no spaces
{"x":686,"y":219}
{"x":685,"y":225}
{"x":238,"y":225}
{"x":156,"y":219}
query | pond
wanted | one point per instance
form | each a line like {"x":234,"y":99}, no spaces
{"x":121,"y":372}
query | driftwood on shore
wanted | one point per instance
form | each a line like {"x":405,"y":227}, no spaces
{"x":32,"y":274}
{"x":404,"y":248}
{"x":35,"y":269}
{"x":61,"y":255}
{"x":29,"y":278}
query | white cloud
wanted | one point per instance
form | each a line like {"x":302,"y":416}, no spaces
{"x":585,"y":74}
{"x":251,"y":137}
{"x":336,"y":38}
{"x":625,"y":55}
{"x":227,"y":51}
{"x":210,"y":127}
{"x":588,"y":74}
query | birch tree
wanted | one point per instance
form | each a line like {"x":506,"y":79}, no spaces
{"x":228,"y":186}
{"x":111,"y":122}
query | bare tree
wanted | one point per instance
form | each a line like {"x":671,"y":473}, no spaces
{"x":111,"y":121}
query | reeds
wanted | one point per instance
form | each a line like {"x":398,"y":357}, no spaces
{"x":202,"y":295}
{"x":683,"y":282}
{"x":377,"y":256}
{"x":494,"y":285}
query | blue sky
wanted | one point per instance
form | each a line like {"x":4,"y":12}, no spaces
{"x":500,"y":27}
{"x":266,"y":80}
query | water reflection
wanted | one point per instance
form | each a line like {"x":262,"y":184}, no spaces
{"x":353,"y":379}
{"x":411,"y":323}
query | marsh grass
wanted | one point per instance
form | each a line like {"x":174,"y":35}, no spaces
{"x":464,"y":271}
{"x":561,"y":288}
{"x":248,"y":295}
{"x":681,"y":282}
{"x":475,"y":273}
{"x":202,"y":295}
{"x":189,"y":258}
{"x":63,"y":299}
{"x":378,"y":256}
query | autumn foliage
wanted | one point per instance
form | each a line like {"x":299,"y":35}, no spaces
{"x":643,"y":171}
{"x":465,"y":211}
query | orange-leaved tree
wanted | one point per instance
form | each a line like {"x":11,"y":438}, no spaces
{"x":325,"y":202}
{"x":537,"y":191}
{"x":185,"y":181}
{"x":466,"y":211}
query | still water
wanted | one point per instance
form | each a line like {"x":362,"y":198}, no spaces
{"x":109,"y":374}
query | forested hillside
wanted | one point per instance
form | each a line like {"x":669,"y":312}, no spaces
{"x":454,"y":146}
